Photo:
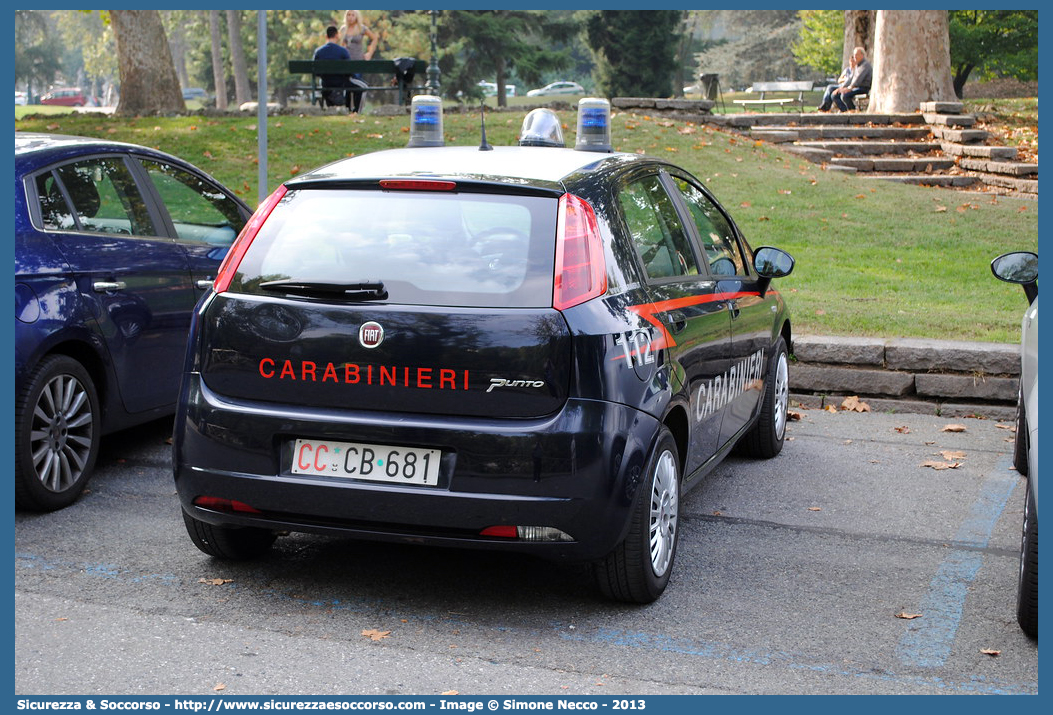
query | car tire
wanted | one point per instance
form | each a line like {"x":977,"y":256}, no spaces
{"x":234,"y":543}
{"x":57,"y":429}
{"x":1027,"y":587}
{"x":638,"y":569}
{"x":1020,"y":444}
{"x":766,"y":437}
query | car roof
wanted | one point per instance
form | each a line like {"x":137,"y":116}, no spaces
{"x":538,"y":167}
{"x":41,"y":148}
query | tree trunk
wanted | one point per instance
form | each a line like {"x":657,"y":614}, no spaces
{"x":219,"y":77}
{"x":177,"y":43}
{"x":912,"y":61}
{"x":859,"y":32}
{"x":242,"y":93}
{"x":148,"y":79}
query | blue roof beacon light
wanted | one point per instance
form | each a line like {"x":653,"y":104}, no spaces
{"x":541,"y":127}
{"x":594,"y":125}
{"x":426,"y":121}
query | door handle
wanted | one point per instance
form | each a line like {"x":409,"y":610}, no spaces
{"x":108,"y":286}
{"x":205,"y":283}
{"x":733,"y":308}
{"x":677,"y":321}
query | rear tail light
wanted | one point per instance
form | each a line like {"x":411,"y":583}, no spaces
{"x":527,"y":533}
{"x":227,"y":505}
{"x":230,"y":264}
{"x":580,"y":273}
{"x":417,"y":185}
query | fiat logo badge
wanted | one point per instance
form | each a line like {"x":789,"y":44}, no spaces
{"x":371,"y":335}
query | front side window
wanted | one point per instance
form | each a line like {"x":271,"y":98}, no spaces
{"x":656,"y":230}
{"x":714,"y":231}
{"x":200,"y":211}
{"x":102,"y":198}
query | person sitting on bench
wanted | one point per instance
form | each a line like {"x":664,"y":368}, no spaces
{"x":334,"y":86}
{"x":844,"y":97}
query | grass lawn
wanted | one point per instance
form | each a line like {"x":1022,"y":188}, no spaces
{"x":874,"y":258}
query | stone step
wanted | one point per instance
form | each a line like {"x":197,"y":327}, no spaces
{"x":812,"y":154}
{"x":941,"y":107}
{"x":950,"y":120}
{"x":960,"y":136}
{"x":1010,"y":168}
{"x":871,"y":148}
{"x":821,"y":119}
{"x":984,"y":152}
{"x":1027,"y":186}
{"x":926,"y":179}
{"x":846,"y":132}
{"x":900,"y":165}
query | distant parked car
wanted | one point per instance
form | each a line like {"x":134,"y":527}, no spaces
{"x":114,"y":245}
{"x":490,"y":89}
{"x":195,"y":93}
{"x":1022,"y":267}
{"x":557,"y":88}
{"x":21,"y":99}
{"x":65,"y":97}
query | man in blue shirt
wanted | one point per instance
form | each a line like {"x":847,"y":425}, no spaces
{"x":333,"y":85}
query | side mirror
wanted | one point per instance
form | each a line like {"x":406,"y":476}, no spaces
{"x":1019,"y":267}
{"x":771,"y":263}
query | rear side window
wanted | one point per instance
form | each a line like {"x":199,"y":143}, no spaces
{"x":428,"y":248}
{"x":656,"y":230}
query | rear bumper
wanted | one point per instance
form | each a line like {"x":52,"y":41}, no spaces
{"x":576,"y":471}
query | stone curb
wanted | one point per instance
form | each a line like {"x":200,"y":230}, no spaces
{"x":944,"y":377}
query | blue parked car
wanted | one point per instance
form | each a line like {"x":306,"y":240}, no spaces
{"x":114,"y":245}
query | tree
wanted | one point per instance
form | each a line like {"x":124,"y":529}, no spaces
{"x":912,"y":60}
{"x":242,"y":93}
{"x":219,"y":74}
{"x":498,"y":42}
{"x":995,"y":42}
{"x":148,"y":77}
{"x":37,"y":52}
{"x":819,"y":44}
{"x":635,"y":51}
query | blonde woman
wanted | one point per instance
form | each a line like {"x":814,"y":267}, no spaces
{"x":353,"y":36}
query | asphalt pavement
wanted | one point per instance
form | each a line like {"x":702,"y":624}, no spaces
{"x":843,"y":566}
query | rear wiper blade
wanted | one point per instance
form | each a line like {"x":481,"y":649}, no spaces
{"x":365,"y":290}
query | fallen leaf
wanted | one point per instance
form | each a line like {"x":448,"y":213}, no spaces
{"x":831,"y":408}
{"x":908,"y":616}
{"x":450,"y":692}
{"x":953,"y":428}
{"x":1021,"y":209}
{"x":375,"y":136}
{"x":763,"y":218}
{"x":991,"y":652}
{"x":220,"y":686}
{"x":861,"y":196}
{"x":215,"y":581}
{"x":785,"y":191}
{"x":951,"y":455}
{"x":847,"y":441}
{"x":854,"y":404}
{"x":793,"y":416}
{"x":903,"y":430}
{"x":1011,"y":428}
{"x":941,"y":209}
{"x":374,"y":635}
{"x":815,"y":508}
{"x":939,"y":466}
{"x":745,"y":205}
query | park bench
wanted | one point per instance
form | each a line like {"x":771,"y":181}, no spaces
{"x":402,"y":71}
{"x":763,"y":88}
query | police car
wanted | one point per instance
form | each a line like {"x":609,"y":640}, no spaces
{"x":530,"y":348}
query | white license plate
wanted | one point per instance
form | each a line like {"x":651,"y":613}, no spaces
{"x":372,"y":462}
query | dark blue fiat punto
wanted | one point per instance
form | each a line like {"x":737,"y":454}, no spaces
{"x":114,"y":245}
{"x":530,"y":348}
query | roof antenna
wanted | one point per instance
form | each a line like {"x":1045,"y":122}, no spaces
{"x":482,"y":123}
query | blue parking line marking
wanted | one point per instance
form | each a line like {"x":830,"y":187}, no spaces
{"x":928,"y":640}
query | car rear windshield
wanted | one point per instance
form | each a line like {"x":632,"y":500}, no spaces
{"x":427,"y":248}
